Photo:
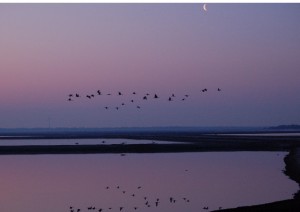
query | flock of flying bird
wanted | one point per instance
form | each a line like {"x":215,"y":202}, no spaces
{"x":132,"y":97}
{"x":147,"y":202}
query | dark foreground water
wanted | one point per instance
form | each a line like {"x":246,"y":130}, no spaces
{"x":142,"y":182}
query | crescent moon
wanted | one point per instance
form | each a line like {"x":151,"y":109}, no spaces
{"x":204,"y":7}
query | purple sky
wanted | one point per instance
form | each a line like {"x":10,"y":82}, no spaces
{"x":250,"y":51}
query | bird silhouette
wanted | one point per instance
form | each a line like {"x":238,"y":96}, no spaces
{"x":219,"y":89}
{"x":119,"y":93}
{"x":99,"y":92}
{"x":155,"y":96}
{"x":170,"y":99}
{"x":145,"y":97}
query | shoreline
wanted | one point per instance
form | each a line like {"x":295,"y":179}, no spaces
{"x":292,"y":170}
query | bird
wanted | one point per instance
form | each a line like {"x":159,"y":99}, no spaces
{"x":155,"y":96}
{"x":123,"y":104}
{"x":106,"y":108}
{"x":70,"y":95}
{"x":119,"y":93}
{"x":121,"y":208}
{"x":117,"y":108}
{"x":70,"y":99}
{"x":219,"y":89}
{"x":138,"y":107}
{"x":133,"y":93}
{"x":88,"y":96}
{"x":173,"y":95}
{"x":170,"y":99}
{"x":135,"y":208}
{"x":186,"y":95}
{"x":77,"y":95}
{"x":132,"y":100}
{"x":145,"y":97}
{"x":205,"y":208}
{"x":99,"y":92}
{"x":139,"y":187}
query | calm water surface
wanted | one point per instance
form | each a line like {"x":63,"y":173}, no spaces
{"x":25,"y":142}
{"x":194,"y":180}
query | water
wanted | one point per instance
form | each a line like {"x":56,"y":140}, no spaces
{"x":25,"y":142}
{"x":225,"y":179}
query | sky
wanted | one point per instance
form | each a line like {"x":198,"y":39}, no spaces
{"x":249,"y":51}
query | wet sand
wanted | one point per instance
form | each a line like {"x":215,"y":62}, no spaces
{"x":187,"y":142}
